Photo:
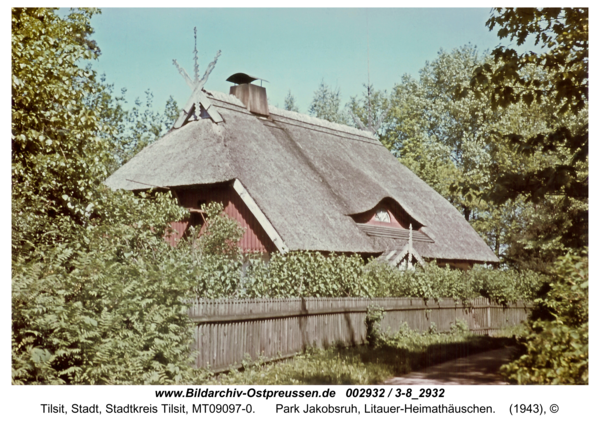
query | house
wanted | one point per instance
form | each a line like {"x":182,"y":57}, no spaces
{"x":295,"y":182}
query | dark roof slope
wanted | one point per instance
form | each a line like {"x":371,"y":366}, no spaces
{"x":307,"y":176}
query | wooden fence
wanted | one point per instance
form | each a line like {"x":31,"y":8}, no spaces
{"x":228,"y":330}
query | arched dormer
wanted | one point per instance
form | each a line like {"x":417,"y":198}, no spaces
{"x":387,"y":213}
{"x":390,"y":220}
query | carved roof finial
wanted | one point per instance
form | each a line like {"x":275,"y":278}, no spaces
{"x":198,"y":98}
{"x":196,"y":67}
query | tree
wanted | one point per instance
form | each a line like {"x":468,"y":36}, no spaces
{"x":289,"y":103}
{"x":556,"y":349}
{"x":369,"y":113}
{"x":53,"y":135}
{"x":132,"y":129}
{"x":97,"y":296}
{"x":144,"y":126}
{"x":445,"y":139}
{"x":326,"y":104}
{"x":456,"y":142}
{"x":562,"y":34}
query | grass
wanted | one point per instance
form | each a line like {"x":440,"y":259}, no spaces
{"x":402,"y":353}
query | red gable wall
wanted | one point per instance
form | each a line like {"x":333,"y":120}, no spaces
{"x":254,"y":239}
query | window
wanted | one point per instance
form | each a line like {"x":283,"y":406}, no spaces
{"x":382,"y":215}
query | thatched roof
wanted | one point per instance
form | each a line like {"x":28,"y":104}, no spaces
{"x":308,"y":176}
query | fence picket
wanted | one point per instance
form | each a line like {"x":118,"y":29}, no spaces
{"x":227,"y":330}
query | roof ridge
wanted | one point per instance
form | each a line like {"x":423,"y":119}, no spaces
{"x":297,"y":116}
{"x":312,"y":120}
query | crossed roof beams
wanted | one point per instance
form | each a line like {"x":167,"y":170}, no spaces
{"x":198,"y":100}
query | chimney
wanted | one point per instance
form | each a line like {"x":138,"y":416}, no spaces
{"x":252,"y":96}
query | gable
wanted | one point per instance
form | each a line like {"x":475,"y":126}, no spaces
{"x":255,"y":238}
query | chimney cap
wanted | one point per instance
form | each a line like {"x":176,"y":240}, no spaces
{"x":241,"y":78}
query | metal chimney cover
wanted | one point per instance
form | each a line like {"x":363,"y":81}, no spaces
{"x":241,"y":78}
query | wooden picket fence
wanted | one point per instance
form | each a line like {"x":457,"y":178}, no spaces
{"x":228,"y":331}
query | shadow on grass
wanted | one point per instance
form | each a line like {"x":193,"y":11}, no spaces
{"x":434,"y":354}
{"x":393,"y":356}
{"x":391,"y":359}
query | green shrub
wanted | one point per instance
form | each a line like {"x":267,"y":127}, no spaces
{"x":220,"y":234}
{"x":373,"y":322}
{"x":434,"y":282}
{"x":504,"y":286}
{"x":556,"y":350}
{"x":313,"y":274}
{"x":305,"y":274}
{"x":459,"y":326}
{"x":112,"y":314}
{"x":219,"y":270}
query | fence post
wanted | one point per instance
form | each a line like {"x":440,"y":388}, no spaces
{"x":228,"y":329}
{"x":489,"y":317}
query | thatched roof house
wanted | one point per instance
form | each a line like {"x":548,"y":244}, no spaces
{"x":300,"y":183}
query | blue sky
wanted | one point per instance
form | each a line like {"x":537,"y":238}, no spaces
{"x":294,"y":49}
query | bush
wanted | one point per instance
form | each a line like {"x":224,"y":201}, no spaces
{"x":373,"y":319}
{"x":504,"y":286}
{"x":219,"y":270}
{"x":305,"y":274}
{"x":110,"y":312}
{"x":556,"y":350}
{"x":433,"y":282}
{"x":97,"y":295}
{"x":313,"y":274}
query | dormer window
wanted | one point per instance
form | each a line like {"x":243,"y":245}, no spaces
{"x":382,"y":215}
{"x":388,"y":213}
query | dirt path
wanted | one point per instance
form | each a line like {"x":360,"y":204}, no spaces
{"x":481,"y":368}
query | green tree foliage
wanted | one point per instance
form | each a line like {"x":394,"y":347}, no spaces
{"x":221,"y":234}
{"x":444,"y":139}
{"x":145,"y":125}
{"x":53,"y":135}
{"x":556,"y":350}
{"x":61,"y":127}
{"x":369,"y":112}
{"x":447,"y":140}
{"x":562,"y":34}
{"x":326,"y":104}
{"x":289,"y":103}
{"x":212,"y":259}
{"x":97,"y":295}
{"x":131,"y":129}
{"x":457,"y":142}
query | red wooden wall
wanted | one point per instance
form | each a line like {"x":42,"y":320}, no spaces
{"x":254,"y":239}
